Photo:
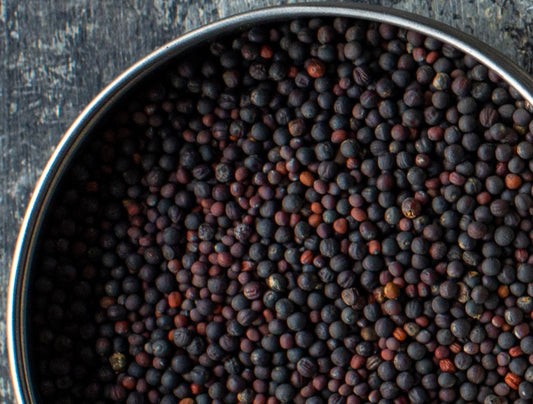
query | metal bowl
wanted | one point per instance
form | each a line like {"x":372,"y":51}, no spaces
{"x":17,"y":336}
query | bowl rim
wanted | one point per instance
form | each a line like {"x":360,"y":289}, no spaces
{"x":24,"y":251}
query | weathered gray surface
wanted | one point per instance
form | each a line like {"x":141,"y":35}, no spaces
{"x":55,"y":56}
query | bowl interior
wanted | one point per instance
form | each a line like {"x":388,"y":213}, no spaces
{"x":82,"y":136}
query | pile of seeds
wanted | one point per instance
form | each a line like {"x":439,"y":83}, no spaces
{"x":321,"y":211}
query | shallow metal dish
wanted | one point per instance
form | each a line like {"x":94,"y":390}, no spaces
{"x":17,"y":338}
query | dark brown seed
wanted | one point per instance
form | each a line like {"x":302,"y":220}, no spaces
{"x":252,"y":290}
{"x":351,"y":297}
{"x":477,"y":230}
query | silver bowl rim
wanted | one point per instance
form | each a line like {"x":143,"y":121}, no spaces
{"x":25,"y":246}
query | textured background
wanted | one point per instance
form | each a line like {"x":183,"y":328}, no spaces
{"x":55,"y":56}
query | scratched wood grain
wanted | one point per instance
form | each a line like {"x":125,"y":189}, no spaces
{"x":55,"y":56}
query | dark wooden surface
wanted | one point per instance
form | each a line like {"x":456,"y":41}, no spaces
{"x":55,"y":56}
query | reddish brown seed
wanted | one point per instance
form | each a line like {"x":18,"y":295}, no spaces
{"x":374,"y":247}
{"x":307,"y":178}
{"x":447,"y":366}
{"x":180,"y":321}
{"x":106,"y":302}
{"x":432,"y":184}
{"x":315,"y":219}
{"x":515,"y":351}
{"x":340,"y":226}
{"x":444,"y":178}
{"x":422,"y":160}
{"x":411,"y":208}
{"x":286,"y":341}
{"x":503,"y":292}
{"x":405,"y":224}
{"x":521,"y":330}
{"x":471,"y":349}
{"x":456,"y":348}
{"x":435,"y":133}
{"x":513,"y":181}
{"x":316,"y":207}
{"x":338,"y":90}
{"x":442,"y":352}
{"x":280,"y":168}
{"x":122,"y":327}
{"x":241,"y":173}
{"x":268,"y":315}
{"x":358,"y":214}
{"x":252,"y":290}
{"x":320,"y":382}
{"x":423,"y":290}
{"x":401,"y":400}
{"x":266,"y":52}
{"x":129,"y":382}
{"x":357,"y":362}
{"x":306,"y":258}
{"x":315,"y":68}
{"x":431,"y":57}
{"x":512,"y":380}
{"x":391,"y":290}
{"x":143,"y":359}
{"x":498,"y":321}
{"x":92,"y":186}
{"x":337,"y":136}
{"x":501,"y":169}
{"x":293,"y":71}
{"x":174,"y":299}
{"x":399,"y":334}
{"x":345,"y":390}
{"x":307,"y":391}
{"x":352,"y":163}
{"x":201,"y":328}
{"x":483,"y":198}
{"x":457,"y":179}
{"x":521,"y":255}
{"x":419,"y":54}
{"x":387,"y":355}
{"x":247,"y":266}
